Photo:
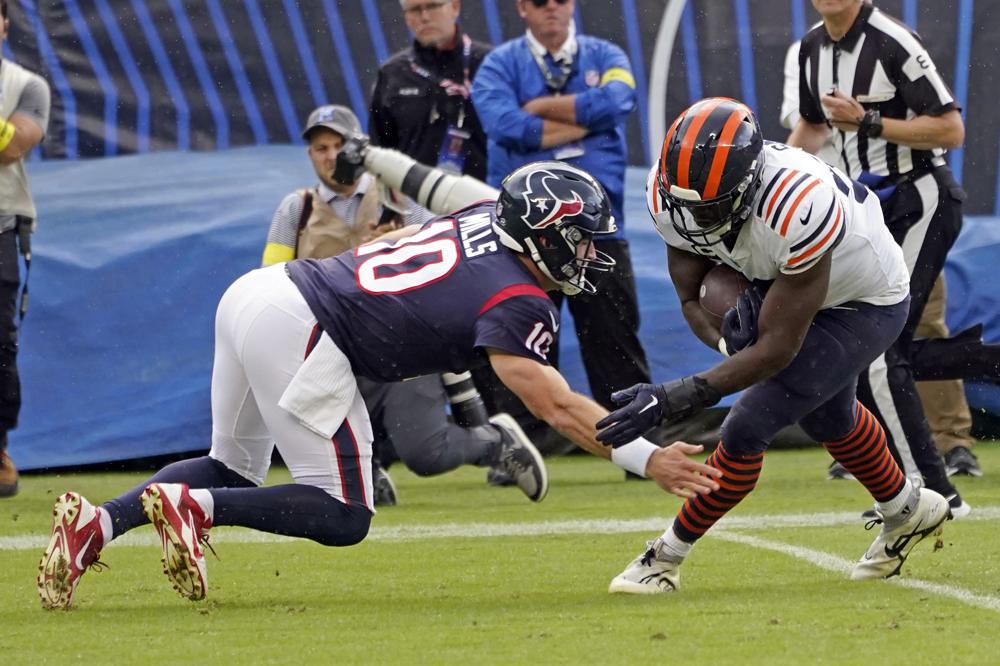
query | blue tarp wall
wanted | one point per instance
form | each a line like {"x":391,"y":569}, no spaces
{"x":132,"y":254}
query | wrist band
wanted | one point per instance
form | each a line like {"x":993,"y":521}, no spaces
{"x":722,"y":347}
{"x":7,"y":130}
{"x":634,"y":455}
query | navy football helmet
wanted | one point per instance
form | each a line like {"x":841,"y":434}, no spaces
{"x":551,"y":212}
{"x":710,"y":165}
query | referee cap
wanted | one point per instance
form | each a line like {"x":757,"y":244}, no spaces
{"x":338,"y":118}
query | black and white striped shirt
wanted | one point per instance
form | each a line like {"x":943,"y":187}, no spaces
{"x":883,"y":65}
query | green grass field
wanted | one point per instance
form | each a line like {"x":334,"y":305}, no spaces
{"x":463,"y":573}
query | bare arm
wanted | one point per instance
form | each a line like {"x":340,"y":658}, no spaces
{"x":686,"y":272}
{"x":921,"y":132}
{"x":547,"y":395}
{"x":27,"y":135}
{"x":810,"y":137}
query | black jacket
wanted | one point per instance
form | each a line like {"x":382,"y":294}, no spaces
{"x":412,"y":113}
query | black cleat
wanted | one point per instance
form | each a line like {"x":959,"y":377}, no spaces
{"x":520,"y":459}
{"x":384,"y":493}
{"x":960,"y":460}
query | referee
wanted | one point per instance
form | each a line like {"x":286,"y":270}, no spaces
{"x":867,"y":79}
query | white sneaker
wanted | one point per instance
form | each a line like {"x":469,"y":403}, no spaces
{"x":885,"y":557}
{"x":648,"y":573}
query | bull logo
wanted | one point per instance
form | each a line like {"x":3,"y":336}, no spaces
{"x":539,"y":197}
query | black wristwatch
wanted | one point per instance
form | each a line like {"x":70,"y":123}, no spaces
{"x":871,"y":124}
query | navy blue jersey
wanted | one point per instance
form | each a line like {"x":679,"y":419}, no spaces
{"x":431,"y":302}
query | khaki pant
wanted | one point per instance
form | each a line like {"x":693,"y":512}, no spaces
{"x":944,"y":401}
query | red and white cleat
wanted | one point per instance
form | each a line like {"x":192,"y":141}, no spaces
{"x":75,"y":546}
{"x":183,"y":528}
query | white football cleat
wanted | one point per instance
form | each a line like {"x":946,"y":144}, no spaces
{"x":648,"y":574}
{"x":183,"y":528}
{"x":74,"y":547}
{"x":885,"y":557}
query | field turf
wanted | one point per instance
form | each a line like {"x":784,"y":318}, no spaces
{"x":461,"y":573}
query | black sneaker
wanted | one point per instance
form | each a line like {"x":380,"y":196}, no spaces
{"x":838,"y":471}
{"x":384,"y":492}
{"x":499,"y":477}
{"x":960,"y":460}
{"x":520,"y":459}
{"x":8,"y":475}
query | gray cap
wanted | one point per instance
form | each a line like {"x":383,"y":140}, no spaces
{"x":333,"y":116}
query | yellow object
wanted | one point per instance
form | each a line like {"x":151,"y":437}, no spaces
{"x":275,"y":253}
{"x":618,"y":74}
{"x":7,"y":130}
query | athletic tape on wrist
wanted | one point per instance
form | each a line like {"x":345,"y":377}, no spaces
{"x":722,"y":347}
{"x":634,"y":455}
{"x":7,"y":130}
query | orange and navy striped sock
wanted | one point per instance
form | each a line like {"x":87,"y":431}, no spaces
{"x":865,"y":454}
{"x":739,"y":476}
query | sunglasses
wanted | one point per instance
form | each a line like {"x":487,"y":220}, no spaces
{"x":543,"y":3}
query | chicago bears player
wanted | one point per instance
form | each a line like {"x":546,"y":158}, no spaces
{"x":291,"y":339}
{"x":838,"y":299}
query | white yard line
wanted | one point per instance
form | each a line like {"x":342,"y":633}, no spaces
{"x":843,"y":566}
{"x":725,"y":531}
{"x":491,"y":530}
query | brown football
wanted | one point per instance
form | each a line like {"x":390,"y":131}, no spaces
{"x":720,"y":288}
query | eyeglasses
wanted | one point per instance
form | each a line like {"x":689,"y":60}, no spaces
{"x":543,"y":3}
{"x":429,"y":7}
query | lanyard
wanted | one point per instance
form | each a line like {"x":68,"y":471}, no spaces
{"x":555,"y":83}
{"x":450,"y":87}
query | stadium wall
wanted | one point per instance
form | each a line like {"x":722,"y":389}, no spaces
{"x":144,"y":75}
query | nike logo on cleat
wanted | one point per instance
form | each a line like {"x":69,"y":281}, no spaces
{"x":83,"y":551}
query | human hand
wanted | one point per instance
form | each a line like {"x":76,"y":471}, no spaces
{"x":739,"y":324}
{"x":673,"y":471}
{"x":646,"y":405}
{"x":843,"y":112}
{"x":642,"y":408}
{"x":351,"y":160}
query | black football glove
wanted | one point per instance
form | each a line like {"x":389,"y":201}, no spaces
{"x":739,"y":324}
{"x":644,"y":406}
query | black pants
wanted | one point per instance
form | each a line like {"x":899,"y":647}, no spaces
{"x":410,"y":423}
{"x":607,"y":326}
{"x":924,"y":216}
{"x":10,"y":281}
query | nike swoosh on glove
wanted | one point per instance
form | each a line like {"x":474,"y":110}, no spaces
{"x":644,"y":406}
{"x":739,"y":324}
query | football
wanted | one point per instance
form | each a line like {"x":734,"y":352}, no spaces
{"x":720,"y":288}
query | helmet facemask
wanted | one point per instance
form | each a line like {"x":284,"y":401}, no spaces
{"x":567,"y":259}
{"x":714,"y":219}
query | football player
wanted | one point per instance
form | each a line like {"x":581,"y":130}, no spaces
{"x":838,"y":297}
{"x":291,"y":338}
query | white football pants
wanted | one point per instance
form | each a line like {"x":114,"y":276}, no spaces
{"x":263,"y":332}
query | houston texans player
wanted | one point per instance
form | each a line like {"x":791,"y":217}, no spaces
{"x":838,"y":299}
{"x":291,"y":339}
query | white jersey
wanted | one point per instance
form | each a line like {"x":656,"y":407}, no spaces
{"x":802,"y":211}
